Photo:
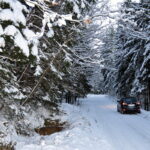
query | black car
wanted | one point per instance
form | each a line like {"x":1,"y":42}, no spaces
{"x":128,"y":104}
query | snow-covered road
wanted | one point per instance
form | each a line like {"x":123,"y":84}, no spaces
{"x":122,"y":132}
{"x":94,"y":125}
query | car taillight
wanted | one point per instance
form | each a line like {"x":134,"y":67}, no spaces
{"x":124,"y":103}
{"x":138,"y":103}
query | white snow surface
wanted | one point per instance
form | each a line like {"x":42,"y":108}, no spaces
{"x":2,"y":42}
{"x":1,"y":30}
{"x":16,"y":14}
{"x":19,"y":40}
{"x":95,"y":125}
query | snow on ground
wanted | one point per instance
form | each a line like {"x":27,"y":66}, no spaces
{"x":95,"y":125}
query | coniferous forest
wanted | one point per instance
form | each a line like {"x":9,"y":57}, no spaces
{"x":56,"y":51}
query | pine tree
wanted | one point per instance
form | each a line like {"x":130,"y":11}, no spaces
{"x":40,"y":44}
{"x":133,"y":51}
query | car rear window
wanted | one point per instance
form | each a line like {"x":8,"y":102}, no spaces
{"x":130,"y":100}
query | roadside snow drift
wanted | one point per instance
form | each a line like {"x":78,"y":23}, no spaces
{"x":95,"y":125}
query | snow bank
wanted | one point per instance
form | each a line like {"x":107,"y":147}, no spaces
{"x":79,"y":135}
{"x":88,"y":127}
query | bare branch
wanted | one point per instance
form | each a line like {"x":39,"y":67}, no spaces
{"x":23,"y":73}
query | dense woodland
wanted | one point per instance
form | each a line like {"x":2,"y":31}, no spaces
{"x":39,"y":64}
{"x":127,"y":71}
{"x":37,"y":57}
{"x":55,"y":51}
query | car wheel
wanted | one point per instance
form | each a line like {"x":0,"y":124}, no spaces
{"x":139,"y":112}
{"x":122,"y":111}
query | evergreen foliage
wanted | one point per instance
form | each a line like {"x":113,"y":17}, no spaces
{"x":39,"y":65}
{"x":130,"y":73}
{"x":133,"y":40}
{"x":37,"y":40}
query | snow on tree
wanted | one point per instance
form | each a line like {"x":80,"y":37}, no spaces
{"x":38,"y":37}
{"x":133,"y":50}
{"x":102,"y":41}
{"x":108,"y":68}
{"x":37,"y":56}
{"x":91,"y":41}
{"x":125,"y":53}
